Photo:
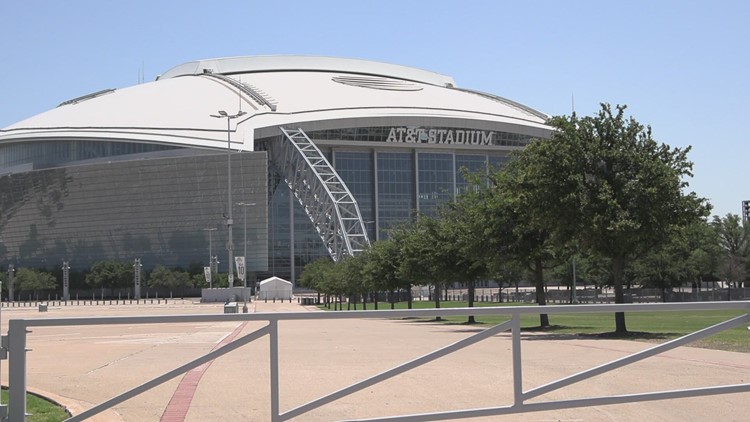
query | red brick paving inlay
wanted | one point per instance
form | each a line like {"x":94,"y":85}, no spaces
{"x":179,"y":404}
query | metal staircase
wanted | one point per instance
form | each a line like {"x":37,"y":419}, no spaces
{"x":321,"y":192}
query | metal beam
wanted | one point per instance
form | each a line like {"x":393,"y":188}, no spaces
{"x":322,"y":193}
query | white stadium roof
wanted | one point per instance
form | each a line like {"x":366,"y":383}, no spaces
{"x":310,"y":92}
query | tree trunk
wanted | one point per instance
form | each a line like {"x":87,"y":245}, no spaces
{"x":472,"y":289}
{"x":437,"y":300}
{"x":541,"y":298}
{"x":618,"y":266}
{"x":409,"y":299}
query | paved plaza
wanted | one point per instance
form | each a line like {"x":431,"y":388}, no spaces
{"x":84,"y":365}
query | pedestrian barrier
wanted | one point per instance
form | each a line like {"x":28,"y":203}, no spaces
{"x":15,"y":343}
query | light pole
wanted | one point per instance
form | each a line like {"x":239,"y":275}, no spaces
{"x":223,"y":114}
{"x":244,"y":227}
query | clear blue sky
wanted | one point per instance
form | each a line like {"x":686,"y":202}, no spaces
{"x":681,"y":66}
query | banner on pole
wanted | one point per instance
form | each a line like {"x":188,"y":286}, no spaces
{"x":207,"y":273}
{"x":240,"y":264}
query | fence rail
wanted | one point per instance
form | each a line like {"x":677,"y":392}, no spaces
{"x":18,"y":329}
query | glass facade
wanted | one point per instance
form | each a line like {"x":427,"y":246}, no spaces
{"x":436,"y":181}
{"x":71,"y":203}
{"x":153,"y":209}
{"x":396,"y":189}
{"x":49,"y":154}
{"x":465,"y":166}
{"x":355,"y":169}
{"x":389,"y":184}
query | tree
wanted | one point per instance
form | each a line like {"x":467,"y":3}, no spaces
{"x":164,"y":278}
{"x":665,"y":267}
{"x":382,"y":268}
{"x":314,"y":275}
{"x":734,"y":242}
{"x":605,"y":182}
{"x":456,"y":233}
{"x":705,"y":252}
{"x":429,"y":255}
{"x":34,"y":281}
{"x":509,"y":222}
{"x":109,"y":275}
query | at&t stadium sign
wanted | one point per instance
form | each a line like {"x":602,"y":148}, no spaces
{"x":440,"y":136}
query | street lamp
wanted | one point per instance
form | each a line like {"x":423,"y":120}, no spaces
{"x":223,"y":114}
{"x":244,"y":226}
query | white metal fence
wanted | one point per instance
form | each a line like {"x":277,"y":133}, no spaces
{"x":15,"y":345}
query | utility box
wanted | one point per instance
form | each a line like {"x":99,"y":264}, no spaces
{"x":42,"y":307}
{"x":230,"y":308}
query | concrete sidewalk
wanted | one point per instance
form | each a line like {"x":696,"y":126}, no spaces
{"x":81,"y":366}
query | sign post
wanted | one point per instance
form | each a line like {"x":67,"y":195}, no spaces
{"x":66,"y":281}
{"x":11,"y":274}
{"x":137,"y":277}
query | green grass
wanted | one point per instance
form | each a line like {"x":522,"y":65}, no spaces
{"x":642,"y":326}
{"x":41,"y":410}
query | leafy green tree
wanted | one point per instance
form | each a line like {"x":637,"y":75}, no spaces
{"x":164,"y":278}
{"x":604,"y":181}
{"x":29,"y":280}
{"x":110,"y":275}
{"x":161,"y":277}
{"x":424,"y":259}
{"x":382,"y":270}
{"x":347,"y":274}
{"x":198,"y":280}
{"x":705,"y":252}
{"x":506,"y":273}
{"x":734,"y":241}
{"x":314,"y":275}
{"x":663,"y":268}
{"x":510,"y":224}
{"x":456,"y":232}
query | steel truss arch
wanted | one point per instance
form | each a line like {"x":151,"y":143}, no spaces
{"x":322,"y":193}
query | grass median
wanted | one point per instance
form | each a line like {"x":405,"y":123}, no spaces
{"x":642,"y":326}
{"x":40,"y":409}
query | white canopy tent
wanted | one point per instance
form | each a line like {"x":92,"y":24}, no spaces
{"x":275,"y":288}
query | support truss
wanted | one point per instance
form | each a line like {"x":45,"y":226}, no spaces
{"x":324,"y":196}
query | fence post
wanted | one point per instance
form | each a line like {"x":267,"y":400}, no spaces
{"x":517,"y":362}
{"x":17,"y":373}
{"x":274,"y":368}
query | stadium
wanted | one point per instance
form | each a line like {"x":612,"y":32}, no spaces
{"x":297,"y":157}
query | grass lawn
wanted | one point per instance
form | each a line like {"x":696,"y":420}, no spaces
{"x":40,"y":409}
{"x":643,"y":326}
